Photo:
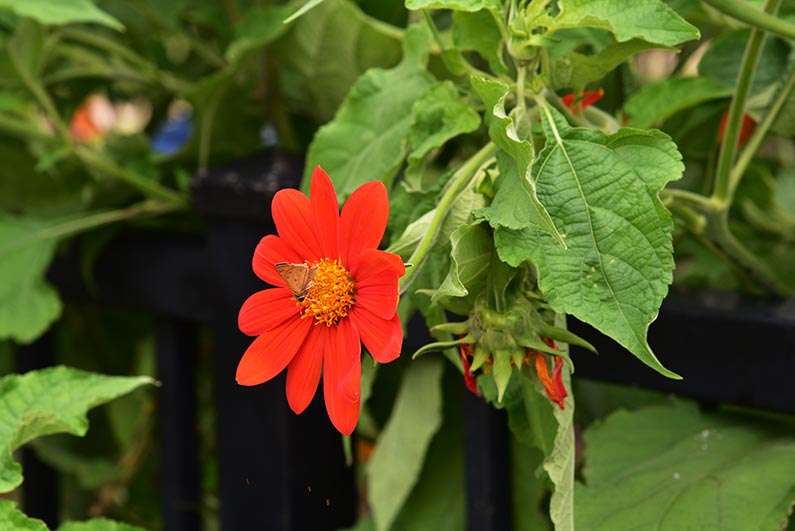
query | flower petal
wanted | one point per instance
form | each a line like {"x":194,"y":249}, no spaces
{"x":295,"y":222}
{"x":376,"y":283}
{"x":303,"y":373}
{"x":326,"y":210}
{"x":383,"y":338}
{"x":270,"y":251}
{"x":265,"y":310}
{"x":342,"y":374}
{"x":272,"y":351}
{"x":363,"y":221}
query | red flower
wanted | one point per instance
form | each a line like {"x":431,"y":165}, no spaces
{"x":588,"y":98}
{"x":469,"y":380}
{"x":351,"y":297}
{"x":553,"y":384}
{"x":746,"y":129}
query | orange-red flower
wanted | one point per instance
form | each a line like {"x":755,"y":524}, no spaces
{"x":553,"y":384}
{"x":351,"y":298}
{"x":586,"y":99}
{"x":746,"y":129}
{"x":465,"y":351}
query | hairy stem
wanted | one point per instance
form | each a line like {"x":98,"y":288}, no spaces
{"x":457,"y":184}
{"x":742,"y":11}
{"x":753,"y":50}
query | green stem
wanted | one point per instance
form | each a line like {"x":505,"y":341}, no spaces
{"x":743,"y":12}
{"x":149,"y":207}
{"x":761,"y":131}
{"x":753,"y":50}
{"x":694,"y":200}
{"x":457,"y":184}
{"x":145,"y":185}
{"x":22,"y":129}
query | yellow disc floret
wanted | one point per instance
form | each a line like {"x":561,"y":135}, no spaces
{"x":330,"y":294}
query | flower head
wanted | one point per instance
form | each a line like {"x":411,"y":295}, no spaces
{"x":746,"y":129}
{"x":333,"y":291}
{"x":577,"y":104}
{"x":553,"y":383}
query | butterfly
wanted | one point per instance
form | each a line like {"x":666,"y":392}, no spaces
{"x":298,"y":277}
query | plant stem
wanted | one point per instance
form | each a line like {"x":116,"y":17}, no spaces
{"x":750,"y":149}
{"x":147,"y":186}
{"x":753,"y":50}
{"x":457,"y":184}
{"x":70,"y":228}
{"x":740,"y":10}
{"x":22,"y":129}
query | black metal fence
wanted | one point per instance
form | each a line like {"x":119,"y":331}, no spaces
{"x":282,"y":472}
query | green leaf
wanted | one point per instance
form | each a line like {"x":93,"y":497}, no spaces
{"x":503,"y":131}
{"x":48,"y":401}
{"x":13,"y":519}
{"x":602,"y":192}
{"x":90,"y":472}
{"x":722,"y":60}
{"x":28,"y":304}
{"x":650,"y":20}
{"x":478,"y":32}
{"x":671,"y":466}
{"x":261,"y":26}
{"x":472,"y":251}
{"x":576,"y":70}
{"x":59,"y":12}
{"x":366,"y":141}
{"x":655,"y":103}
{"x":315,"y":85}
{"x":527,"y":490}
{"x":438,"y":116}
{"x":400,"y":451}
{"x":98,"y":524}
{"x":457,"y":5}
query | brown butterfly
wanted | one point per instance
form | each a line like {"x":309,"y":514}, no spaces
{"x":298,"y":277}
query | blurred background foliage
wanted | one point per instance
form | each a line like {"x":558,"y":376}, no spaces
{"x":107,"y":109}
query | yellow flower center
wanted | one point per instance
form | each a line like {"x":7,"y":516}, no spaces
{"x":330,"y":295}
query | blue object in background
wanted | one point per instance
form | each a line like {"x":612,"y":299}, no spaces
{"x":172,"y":135}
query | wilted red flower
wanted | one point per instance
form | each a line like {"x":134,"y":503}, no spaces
{"x":746,"y":129}
{"x":469,"y":380}
{"x":334,"y":290}
{"x":586,"y":99}
{"x":553,"y":384}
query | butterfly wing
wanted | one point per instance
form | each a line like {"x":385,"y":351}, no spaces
{"x":298,"y":277}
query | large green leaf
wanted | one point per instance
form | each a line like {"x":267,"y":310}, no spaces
{"x":58,"y":12}
{"x":48,"y":401}
{"x":438,"y":116}
{"x":655,"y":103}
{"x":316,"y":85}
{"x":366,"y":141}
{"x":472,"y":254}
{"x":28,"y":304}
{"x":602,"y":193}
{"x":13,"y":519}
{"x":650,"y":20}
{"x":479,"y":32}
{"x":400,"y":452}
{"x":671,"y":467}
{"x":261,"y":26}
{"x":504,"y":131}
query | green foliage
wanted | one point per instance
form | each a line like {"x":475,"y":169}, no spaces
{"x":471,"y":257}
{"x":603,"y":196}
{"x":438,"y":116}
{"x":477,"y":31}
{"x":576,"y":70}
{"x":458,"y":5}
{"x":319,"y":60}
{"x":50,"y":401}
{"x":723,"y":471}
{"x":367,"y":139}
{"x":28,"y":304}
{"x":400,"y":451}
{"x":58,"y":12}
{"x":655,"y":103}
{"x":12,"y":518}
{"x":98,"y":524}
{"x":650,"y":20}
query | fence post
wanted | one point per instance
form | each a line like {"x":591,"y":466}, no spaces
{"x":176,"y":353}
{"x":488,"y":490}
{"x":277,"y":471}
{"x":40,"y":490}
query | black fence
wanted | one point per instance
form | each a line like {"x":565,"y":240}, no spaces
{"x":282,"y":472}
